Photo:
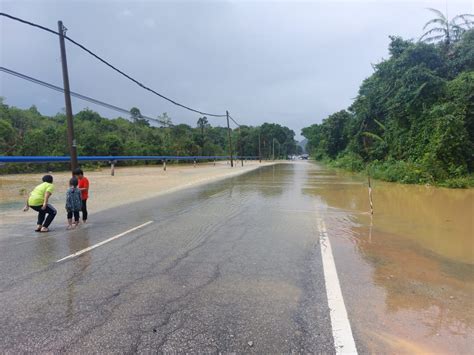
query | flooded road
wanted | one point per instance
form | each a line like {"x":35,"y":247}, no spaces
{"x":407,"y":273}
{"x":235,"y":266}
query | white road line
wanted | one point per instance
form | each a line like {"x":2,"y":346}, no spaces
{"x":103,"y":242}
{"x":341,"y":328}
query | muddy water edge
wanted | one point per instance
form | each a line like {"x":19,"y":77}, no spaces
{"x":407,"y":273}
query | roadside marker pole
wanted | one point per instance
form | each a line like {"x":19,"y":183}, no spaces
{"x":164,"y":165}
{"x":112,"y":167}
{"x":67,"y":98}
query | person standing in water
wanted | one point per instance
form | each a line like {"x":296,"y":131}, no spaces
{"x":38,"y":201}
{"x":73,"y":203}
{"x":84,"y":187}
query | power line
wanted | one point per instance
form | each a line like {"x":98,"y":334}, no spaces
{"x":232,"y":119}
{"x":139,"y":83}
{"x":111,"y":66}
{"x":77,"y":95}
{"x":28,"y":23}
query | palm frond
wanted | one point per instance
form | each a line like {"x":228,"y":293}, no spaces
{"x":436,"y":29}
{"x":437,"y":12}
{"x":433,"y":30}
{"x":458,"y":29}
{"x":373,"y":135}
{"x":380,"y":124}
{"x":435,"y":20}
{"x":462,"y":16}
{"x":457,"y":32}
{"x":434,"y":38}
{"x":418,"y":91}
{"x":465,"y":20}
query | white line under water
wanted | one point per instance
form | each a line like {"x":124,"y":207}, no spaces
{"x":80,"y":252}
{"x":341,"y":328}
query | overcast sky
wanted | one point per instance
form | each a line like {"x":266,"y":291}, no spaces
{"x":290,"y":62}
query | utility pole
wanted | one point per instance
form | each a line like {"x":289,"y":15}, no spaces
{"x":67,"y":98}
{"x":230,"y":140}
{"x":240,"y":146}
{"x":259,"y":148}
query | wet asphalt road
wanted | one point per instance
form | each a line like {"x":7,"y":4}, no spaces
{"x":233,"y":266}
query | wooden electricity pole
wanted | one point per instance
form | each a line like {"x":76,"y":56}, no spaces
{"x":67,"y":98}
{"x":230,"y":140}
{"x":240,"y":147}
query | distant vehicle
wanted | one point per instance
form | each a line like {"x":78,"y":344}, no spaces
{"x":304,"y":156}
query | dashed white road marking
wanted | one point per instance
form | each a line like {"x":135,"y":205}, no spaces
{"x":341,"y":328}
{"x":103,"y":242}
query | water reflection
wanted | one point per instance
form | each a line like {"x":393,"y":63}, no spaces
{"x":438,"y":219}
{"x":80,"y":266}
{"x":45,"y":250}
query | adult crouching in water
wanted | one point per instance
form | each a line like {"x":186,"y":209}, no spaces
{"x":38,"y":201}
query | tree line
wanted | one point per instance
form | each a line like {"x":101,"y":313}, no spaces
{"x":413,"y":118}
{"x":27,"y":132}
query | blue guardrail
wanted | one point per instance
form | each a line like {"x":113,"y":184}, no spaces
{"x":64,"y":159}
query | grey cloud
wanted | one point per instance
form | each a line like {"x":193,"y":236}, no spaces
{"x":287,"y":62}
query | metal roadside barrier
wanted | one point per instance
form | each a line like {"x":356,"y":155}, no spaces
{"x":112,"y":160}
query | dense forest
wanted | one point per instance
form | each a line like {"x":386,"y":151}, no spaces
{"x":413,"y":118}
{"x":27,"y":132}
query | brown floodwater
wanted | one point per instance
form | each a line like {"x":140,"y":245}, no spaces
{"x":407,"y":272}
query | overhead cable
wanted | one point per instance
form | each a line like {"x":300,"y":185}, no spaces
{"x":77,"y":95}
{"x":111,"y":66}
{"x":28,"y":23}
{"x":232,"y":119}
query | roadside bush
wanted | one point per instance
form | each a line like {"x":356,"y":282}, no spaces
{"x":349,"y":161}
{"x":401,"y":171}
{"x":458,"y":182}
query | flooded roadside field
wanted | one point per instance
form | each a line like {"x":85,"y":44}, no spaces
{"x":130,"y":184}
{"x":407,"y":273}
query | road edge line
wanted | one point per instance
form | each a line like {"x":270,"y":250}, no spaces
{"x":344,"y":342}
{"x":80,"y":252}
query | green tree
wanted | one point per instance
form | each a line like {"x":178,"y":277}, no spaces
{"x":413,"y":118}
{"x":135,"y":113}
{"x":165,"y":120}
{"x":202,"y":124}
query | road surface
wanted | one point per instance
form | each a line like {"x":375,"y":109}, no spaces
{"x":233,"y":266}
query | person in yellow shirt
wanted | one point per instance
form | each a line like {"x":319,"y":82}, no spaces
{"x":38,"y":201}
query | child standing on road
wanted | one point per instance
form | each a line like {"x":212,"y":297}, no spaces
{"x":38,"y":201}
{"x":84,"y":187}
{"x":73,"y":203}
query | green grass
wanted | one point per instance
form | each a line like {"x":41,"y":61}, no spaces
{"x":399,"y":171}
